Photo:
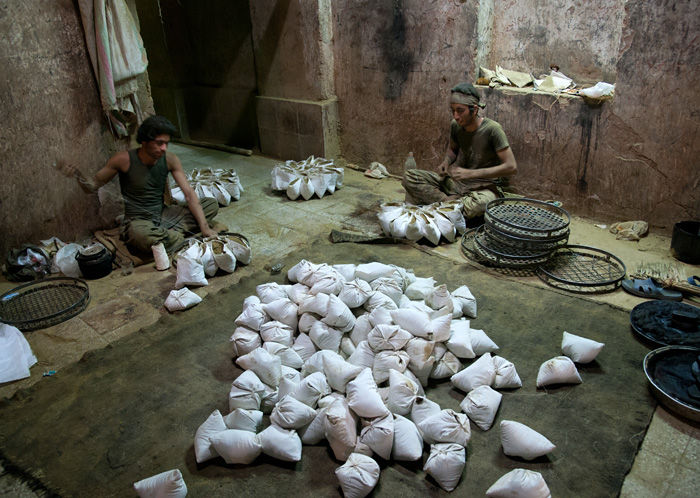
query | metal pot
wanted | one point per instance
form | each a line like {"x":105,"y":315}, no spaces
{"x":94,"y":261}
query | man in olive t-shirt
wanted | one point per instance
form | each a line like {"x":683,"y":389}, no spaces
{"x":485,"y":160}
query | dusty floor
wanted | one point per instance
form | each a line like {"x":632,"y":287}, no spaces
{"x":668,"y":464}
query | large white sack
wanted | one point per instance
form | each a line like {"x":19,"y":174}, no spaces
{"x":290,"y":374}
{"x":341,"y":429}
{"x":384,"y":361}
{"x":339,"y":372}
{"x":298,"y":292}
{"x":363,"y":356}
{"x":181,"y":299}
{"x":288,"y":356}
{"x":482,"y":343}
{"x":304,"y":346}
{"x":408,"y":442}
{"x":402,"y":393}
{"x":266,"y":366}
{"x":464,"y":302}
{"x":311,"y":389}
{"x":378,"y":434}
{"x":580,"y":349}
{"x":283,"y":444}
{"x":252,"y":316}
{"x":372,"y":271}
{"x":190,"y":270}
{"x":338,"y":315}
{"x":325,"y":336}
{"x":244,"y":340}
{"x":244,"y":420}
{"x":290,"y":413}
{"x":347,"y":270}
{"x":362,"y":328}
{"x":460,"y":341}
{"x":447,"y":426}
{"x":420,"y":324}
{"x":481,"y":405}
{"x":169,"y":484}
{"x":380,"y":316}
{"x":315,"y":362}
{"x":355,"y":292}
{"x":389,"y":287}
{"x":271,"y":291}
{"x":420,"y":288}
{"x":315,"y":431}
{"x":558,"y":370}
{"x":386,"y":337}
{"x":358,"y":476}
{"x":363,"y":396}
{"x":330,"y":283}
{"x":520,"y":440}
{"x":283,"y":310}
{"x":519,"y":483}
{"x":275,"y":331}
{"x":203,"y":449}
{"x":446,"y":365}
{"x":246,"y":392}
{"x":506,"y":375}
{"x":439,"y":297}
{"x":379,"y":300}
{"x":446,"y":463}
{"x":306,"y":321}
{"x":300,"y":271}
{"x":237,"y":446}
{"x":480,"y":373}
{"x":411,"y":376}
{"x":15,"y":354}
{"x":422,"y":409}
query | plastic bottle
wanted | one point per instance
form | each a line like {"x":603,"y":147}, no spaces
{"x":410,"y":162}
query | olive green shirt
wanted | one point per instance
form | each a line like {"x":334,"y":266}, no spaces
{"x":143,"y":188}
{"x":479,"y":148}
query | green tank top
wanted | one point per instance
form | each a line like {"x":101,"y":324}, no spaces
{"x":142,"y":188}
{"x":479,"y":147}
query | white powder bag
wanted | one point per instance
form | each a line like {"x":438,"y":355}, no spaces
{"x":306,"y":321}
{"x":372,"y":271}
{"x":298,"y":292}
{"x":290,"y":413}
{"x":315,"y":362}
{"x":283,"y":310}
{"x":446,"y":463}
{"x":380,"y":316}
{"x":420,"y":288}
{"x":355,"y":293}
{"x":447,"y":426}
{"x":300,"y":271}
{"x":361,"y":329}
{"x":347,"y":270}
{"x":270,"y":291}
{"x":384,"y":361}
{"x":246,"y":392}
{"x":386,"y":337}
{"x":420,"y":324}
{"x":290,"y":374}
{"x":519,"y":483}
{"x":506,"y":375}
{"x":294,"y":189}
{"x":203,"y":449}
{"x":339,"y":372}
{"x":311,"y":389}
{"x":460,"y":341}
{"x":422,"y":409}
{"x":288,"y":356}
{"x":331,"y":283}
{"x":482,"y":343}
{"x":439,"y":297}
{"x":326,"y":337}
{"x":378,"y":434}
{"x":244,"y":420}
{"x":240,"y":247}
{"x":464,"y":302}
{"x":275,"y":331}
{"x":304,"y":346}
{"x":363,"y":396}
{"x":402,"y":393}
{"x":446,"y":227}
{"x":338,"y":315}
{"x":283,"y":444}
{"x":580,"y":349}
{"x":389,"y":287}
{"x":223,"y":255}
{"x":252,"y":315}
{"x":168,"y":484}
{"x":379,"y":300}
{"x":315,"y":431}
{"x":480,"y":373}
{"x":446,"y":366}
{"x":190,"y":270}
{"x":408,"y":442}
{"x":266,"y":366}
{"x":181,"y":299}
{"x":306,"y":188}
{"x":244,"y":340}
{"x":481,"y":406}
{"x":207,"y":258}
{"x":558,"y":370}
{"x":363,"y":356}
{"x":358,"y":476}
{"x":520,"y":440}
{"x":237,"y":446}
{"x":341,"y":429}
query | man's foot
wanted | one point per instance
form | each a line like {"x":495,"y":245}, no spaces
{"x":219,"y":227}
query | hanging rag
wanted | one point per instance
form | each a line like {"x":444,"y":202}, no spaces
{"x":118,"y":57}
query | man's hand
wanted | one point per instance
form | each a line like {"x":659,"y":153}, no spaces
{"x":444,"y":168}
{"x":209,"y":232}
{"x":70,"y":170}
{"x":461,"y":174}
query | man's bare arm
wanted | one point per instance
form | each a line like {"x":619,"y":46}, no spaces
{"x":175,"y":167}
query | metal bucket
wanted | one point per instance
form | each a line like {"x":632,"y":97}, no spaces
{"x":685,"y":242}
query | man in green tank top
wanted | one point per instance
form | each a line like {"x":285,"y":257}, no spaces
{"x":143,"y":178}
{"x":476,"y":175}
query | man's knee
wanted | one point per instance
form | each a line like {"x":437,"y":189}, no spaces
{"x":474,"y":203}
{"x":143,"y":236}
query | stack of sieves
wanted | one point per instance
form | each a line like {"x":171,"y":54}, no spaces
{"x":520,"y":232}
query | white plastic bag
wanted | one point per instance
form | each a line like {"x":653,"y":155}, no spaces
{"x":15,"y":354}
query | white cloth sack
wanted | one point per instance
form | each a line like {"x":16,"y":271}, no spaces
{"x":481,"y":406}
{"x":520,"y":440}
{"x":519,"y":483}
{"x":408,"y":442}
{"x":446,"y":463}
{"x":358,"y":476}
{"x":245,"y":420}
{"x":237,"y":446}
{"x":580,"y":349}
{"x":446,"y":426}
{"x":341,"y":429}
{"x":559,"y":370}
{"x":181,"y":299}
{"x":283,"y":444}
{"x":190,"y":269}
{"x":480,"y":373}
{"x":203,"y":449}
{"x":15,"y":354}
{"x":169,"y":484}
{"x":290,"y":413}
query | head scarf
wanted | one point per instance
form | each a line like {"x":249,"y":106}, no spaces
{"x":463,"y":98}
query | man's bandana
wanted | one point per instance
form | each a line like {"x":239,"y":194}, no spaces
{"x":461,"y":98}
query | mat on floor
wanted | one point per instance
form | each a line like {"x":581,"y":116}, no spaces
{"x":131,"y":410}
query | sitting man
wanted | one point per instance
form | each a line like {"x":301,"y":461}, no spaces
{"x":143,"y":178}
{"x":486,"y":159}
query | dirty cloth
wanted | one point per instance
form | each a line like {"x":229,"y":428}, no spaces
{"x":131,"y":410}
{"x":629,"y":230}
{"x":118,"y":56}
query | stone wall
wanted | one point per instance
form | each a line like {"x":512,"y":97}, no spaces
{"x":49,"y":110}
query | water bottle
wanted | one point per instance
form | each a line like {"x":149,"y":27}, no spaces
{"x":410,"y":162}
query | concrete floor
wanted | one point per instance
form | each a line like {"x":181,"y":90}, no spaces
{"x":668,"y":463}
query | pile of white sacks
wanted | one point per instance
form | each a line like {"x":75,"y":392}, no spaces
{"x":343,"y":353}
{"x":314,"y":175}
{"x":221,"y":184}
{"x":432,"y":221}
{"x":202,"y":259}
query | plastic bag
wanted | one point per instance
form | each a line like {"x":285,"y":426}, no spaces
{"x":29,"y":263}
{"x":15,"y":354}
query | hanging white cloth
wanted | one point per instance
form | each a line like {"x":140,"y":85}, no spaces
{"x":118,"y":57}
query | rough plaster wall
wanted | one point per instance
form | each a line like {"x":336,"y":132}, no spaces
{"x":291,"y":49}
{"x":49,"y":109}
{"x":581,"y":37}
{"x":396,"y":61}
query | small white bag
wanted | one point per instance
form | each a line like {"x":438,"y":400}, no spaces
{"x":378,"y":434}
{"x":446,"y":463}
{"x":520,"y":483}
{"x":363,"y":396}
{"x":283,"y":444}
{"x":580,"y":349}
{"x":408,"y":442}
{"x":558,"y":370}
{"x":203,"y":449}
{"x":169,"y":484}
{"x":481,"y":406}
{"x":237,"y":446}
{"x":358,"y":476}
{"x":480,"y":373}
{"x":181,"y":299}
{"x":520,"y":440}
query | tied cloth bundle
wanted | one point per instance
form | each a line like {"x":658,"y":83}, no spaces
{"x":630,"y":230}
{"x":376,"y":170}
